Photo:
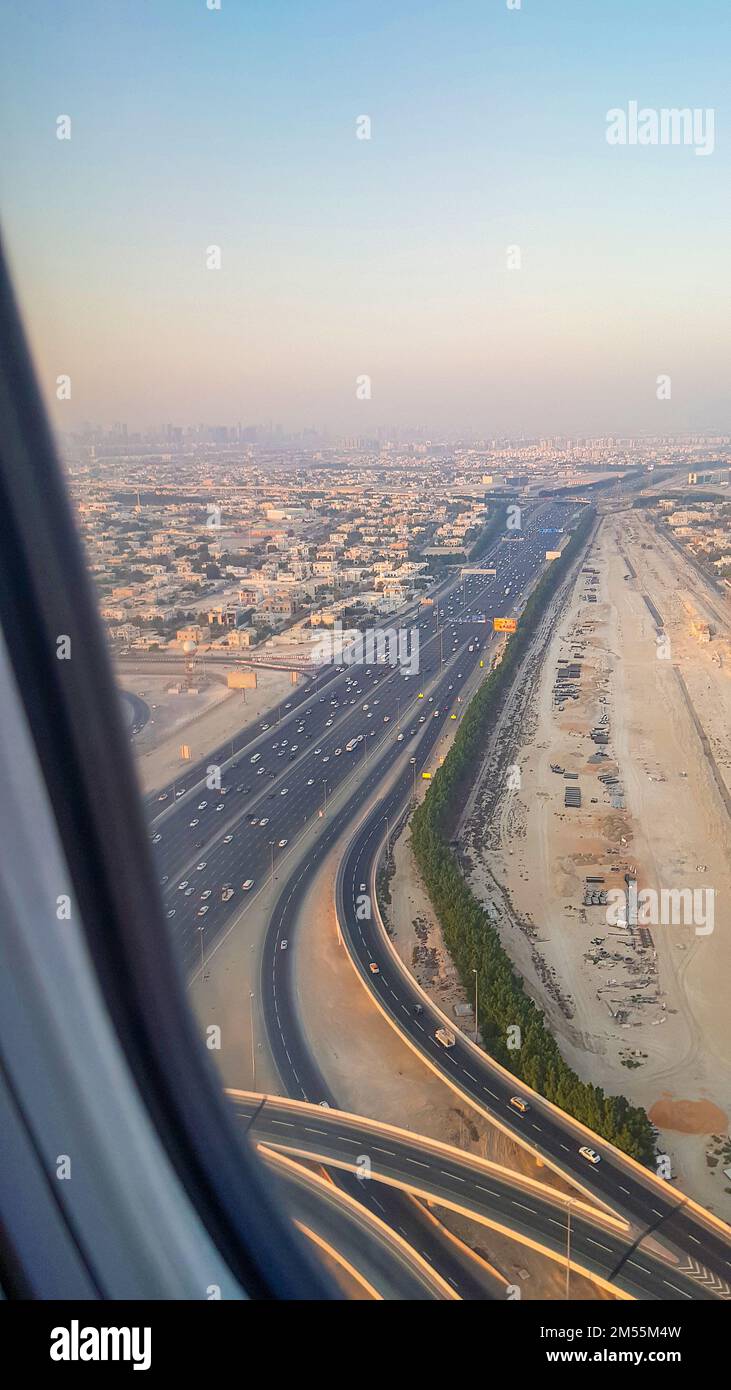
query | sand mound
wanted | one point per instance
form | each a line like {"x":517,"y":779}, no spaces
{"x":688,"y":1116}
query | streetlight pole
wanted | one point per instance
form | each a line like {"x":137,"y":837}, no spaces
{"x":568,"y":1245}
{"x":253,"y":1051}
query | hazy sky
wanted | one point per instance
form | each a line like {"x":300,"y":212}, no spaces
{"x":383,"y":257}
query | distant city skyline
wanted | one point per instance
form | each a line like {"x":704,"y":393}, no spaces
{"x":488,"y":259}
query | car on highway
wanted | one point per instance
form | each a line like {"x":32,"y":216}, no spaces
{"x":171,"y":912}
{"x":202,"y":805}
{"x":200,"y":867}
{"x":283,"y":944}
{"x":310,"y":781}
{"x":590,"y":1155}
{"x":247,"y":884}
{"x":163,"y":796}
{"x":193,"y":823}
{"x":156,"y":839}
{"x":227,"y":892}
{"x":520,"y":1105}
{"x":227,"y":839}
{"x":264,"y":820}
{"x":205,"y":895}
{"x":260,"y":771}
{"x":374,"y":969}
{"x":203,"y":910}
{"x":282,"y":843}
{"x":188,"y":892}
{"x":255,"y":758}
{"x":184,"y":884}
{"x":338,"y":751}
{"x":284,"y":791}
{"x":221,"y":806}
{"x":444,"y":1037}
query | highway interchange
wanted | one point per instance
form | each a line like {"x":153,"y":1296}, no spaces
{"x":471,"y":1186}
{"x":285,"y":775}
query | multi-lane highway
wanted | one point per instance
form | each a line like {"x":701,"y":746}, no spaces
{"x":527,"y":1210}
{"x":706,"y":1252}
{"x":215,"y":857}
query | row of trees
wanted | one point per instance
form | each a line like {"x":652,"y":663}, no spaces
{"x":513,"y":1028}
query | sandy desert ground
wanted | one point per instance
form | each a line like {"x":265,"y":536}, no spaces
{"x":641,"y":1012}
{"x":203,"y":721}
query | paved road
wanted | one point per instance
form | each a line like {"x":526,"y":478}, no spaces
{"x":288,"y":787}
{"x":476,"y":1189}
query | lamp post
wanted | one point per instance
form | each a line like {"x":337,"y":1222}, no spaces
{"x":568,"y":1246}
{"x":253,"y":1051}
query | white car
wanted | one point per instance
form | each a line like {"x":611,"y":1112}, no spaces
{"x":260,"y":771}
{"x":184,"y":884}
{"x":205,"y":895}
{"x":247,"y":884}
{"x":284,"y":791}
{"x":310,"y":781}
{"x":282,"y":843}
{"x":156,"y":839}
{"x":171,"y":912}
{"x":221,"y":806}
{"x":202,"y":910}
{"x":264,"y":820}
{"x":590,"y":1155}
{"x":193,"y":823}
{"x":200,"y":867}
{"x":202,"y":805}
{"x":227,"y":839}
{"x":283,"y":944}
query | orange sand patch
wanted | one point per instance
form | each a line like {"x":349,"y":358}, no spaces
{"x":688,"y":1116}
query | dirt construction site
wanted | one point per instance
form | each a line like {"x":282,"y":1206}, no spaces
{"x":599,"y":838}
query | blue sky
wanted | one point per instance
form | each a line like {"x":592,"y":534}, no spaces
{"x":386,"y":257}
